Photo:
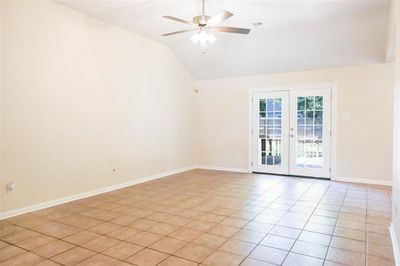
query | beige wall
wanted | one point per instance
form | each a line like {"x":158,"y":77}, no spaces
{"x":363,"y":92}
{"x":396,"y":159}
{"x":80,"y":97}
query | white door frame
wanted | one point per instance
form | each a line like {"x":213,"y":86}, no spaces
{"x":285,"y":118}
{"x":332,"y":86}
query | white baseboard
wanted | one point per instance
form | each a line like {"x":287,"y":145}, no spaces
{"x":363,"y":181}
{"x":395,"y":244}
{"x":47,"y":204}
{"x":227,"y":169}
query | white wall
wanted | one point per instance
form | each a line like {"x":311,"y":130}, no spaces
{"x":80,"y":97}
{"x":365,"y":141}
{"x":396,"y":157}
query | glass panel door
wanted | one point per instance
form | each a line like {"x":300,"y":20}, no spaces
{"x":292,"y":137}
{"x":270,"y":121}
{"x":310,"y":133}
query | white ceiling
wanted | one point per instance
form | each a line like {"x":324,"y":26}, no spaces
{"x":295,"y":35}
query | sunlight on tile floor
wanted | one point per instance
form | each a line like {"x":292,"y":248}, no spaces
{"x":204,"y":217}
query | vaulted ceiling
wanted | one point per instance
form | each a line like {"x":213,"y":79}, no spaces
{"x":294,"y":35}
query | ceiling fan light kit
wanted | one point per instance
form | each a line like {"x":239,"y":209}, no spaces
{"x":204,"y":25}
{"x":203,"y":38}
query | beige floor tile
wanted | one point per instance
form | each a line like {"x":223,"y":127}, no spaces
{"x":144,"y":239}
{"x":200,"y":225}
{"x":56,"y":229}
{"x":101,"y":243}
{"x":223,"y":230}
{"x":3,"y":244}
{"x":79,"y":221}
{"x":219,"y":258}
{"x":104,"y":228}
{"x":123,"y":233}
{"x":143,"y":224}
{"x":47,"y":263}
{"x":234,"y":222}
{"x":379,"y":261}
{"x":350,"y":233}
{"x":163,"y":229}
{"x":249,"y":236}
{"x":9,"y":251}
{"x":294,"y":259}
{"x":101,"y":214}
{"x":310,"y":249}
{"x":124,"y":220}
{"x":320,"y":228}
{"x":53,"y":248}
{"x":277,"y":242}
{"x":81,"y":238}
{"x":123,"y":250}
{"x":378,"y":229}
{"x":35,"y":242}
{"x":253,"y":262}
{"x":348,"y":244}
{"x":380,"y":251}
{"x":175,"y":261}
{"x":185,"y":234}
{"x":268,"y":254}
{"x":259,"y":227}
{"x":28,"y":220}
{"x":16,"y":235}
{"x":316,"y":238}
{"x":194,"y":252}
{"x":237,"y":247}
{"x":147,"y":257}
{"x":379,"y":239}
{"x":285,"y":232}
{"x":168,"y":245}
{"x":177,"y":220}
{"x":209,"y":240}
{"x":73,"y":256}
{"x":26,"y":258}
{"x":98,"y":260}
{"x":211,"y":217}
{"x":345,"y":257}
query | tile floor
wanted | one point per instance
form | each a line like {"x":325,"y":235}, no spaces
{"x":204,"y":217}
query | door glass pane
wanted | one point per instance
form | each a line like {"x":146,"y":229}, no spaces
{"x":270,"y":129}
{"x":309,"y":153}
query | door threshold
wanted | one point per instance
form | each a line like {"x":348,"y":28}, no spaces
{"x":301,"y":176}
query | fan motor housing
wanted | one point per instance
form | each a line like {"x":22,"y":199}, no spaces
{"x":201,"y":20}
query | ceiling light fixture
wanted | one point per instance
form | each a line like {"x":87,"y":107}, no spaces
{"x":203,"y":38}
{"x":204,"y":25}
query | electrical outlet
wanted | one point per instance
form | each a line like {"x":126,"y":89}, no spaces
{"x":10,"y":187}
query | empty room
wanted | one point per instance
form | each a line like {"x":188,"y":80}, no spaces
{"x":200,"y":132}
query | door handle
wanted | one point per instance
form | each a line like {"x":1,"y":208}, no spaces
{"x":291,"y":135}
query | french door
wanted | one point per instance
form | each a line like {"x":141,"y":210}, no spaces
{"x":291,"y":132}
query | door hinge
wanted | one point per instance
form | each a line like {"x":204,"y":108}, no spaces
{"x":330,"y":169}
{"x":251,"y":163}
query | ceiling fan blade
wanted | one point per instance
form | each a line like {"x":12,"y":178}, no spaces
{"x":231,"y":30}
{"x":219,"y":18}
{"x":178,"y":20}
{"x":178,"y":32}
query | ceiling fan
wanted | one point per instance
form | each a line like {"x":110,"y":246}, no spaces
{"x":204,"y":25}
